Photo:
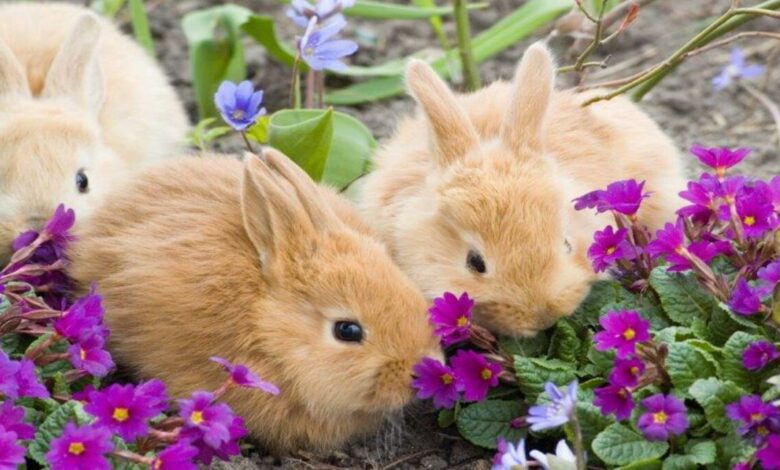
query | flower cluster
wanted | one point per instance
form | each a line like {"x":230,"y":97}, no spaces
{"x":322,"y":21}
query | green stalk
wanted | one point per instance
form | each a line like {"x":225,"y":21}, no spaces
{"x":463,"y":26}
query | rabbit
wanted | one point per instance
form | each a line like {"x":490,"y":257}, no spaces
{"x":81,"y":106}
{"x":257,"y":264}
{"x":475,"y":192}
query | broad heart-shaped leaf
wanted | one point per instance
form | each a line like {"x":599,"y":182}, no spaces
{"x":732,"y":450}
{"x":216,"y":53}
{"x":686,"y":364}
{"x":331,"y":147}
{"x":703,"y":452}
{"x":679,"y":462}
{"x":713,"y":395}
{"x":565,"y":343}
{"x":592,"y":421}
{"x":484,"y":422}
{"x":732,"y":361}
{"x":722,"y":325}
{"x":602,"y":294}
{"x":681,"y":297}
{"x":52,"y":426}
{"x":647,"y":464}
{"x":525,"y":346}
{"x":620,"y":445}
{"x":262,"y":28}
{"x":532,"y":373}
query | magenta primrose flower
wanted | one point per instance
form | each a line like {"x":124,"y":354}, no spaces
{"x":178,"y":456}
{"x":757,"y":419}
{"x":626,"y":372}
{"x":206,"y":419}
{"x":665,"y":416}
{"x":11,"y":453}
{"x":81,"y":448}
{"x":243,"y":377}
{"x":770,"y":273}
{"x":609,"y":247}
{"x":624,"y":197}
{"x":614,"y":399}
{"x":757,"y":355}
{"x":85,"y":313}
{"x":719,"y":159}
{"x":88,"y":353}
{"x":18,"y":379}
{"x":702,"y":249}
{"x":59,"y":225}
{"x":669,"y":241}
{"x":474,"y":374}
{"x":451,"y":316}
{"x":123,"y":410}
{"x":558,"y":412}
{"x":435,"y":380}
{"x":227,"y":449}
{"x":154,"y":395}
{"x":704,"y":194}
{"x":12,"y":419}
{"x":744,"y":299}
{"x":769,"y":455}
{"x":622,"y":331}
{"x":755,"y":210}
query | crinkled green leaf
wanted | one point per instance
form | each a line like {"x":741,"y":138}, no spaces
{"x":713,"y":395}
{"x":679,"y":462}
{"x":484,"y":422}
{"x":602,"y":294}
{"x":702,"y":453}
{"x":687,"y":364}
{"x":565,"y":343}
{"x":681,"y":297}
{"x":733,"y":369}
{"x":620,"y":445}
{"x":532,"y":373}
{"x":732,"y":450}
{"x":672,"y":334}
{"x":649,"y":464}
{"x":52,"y":426}
{"x":525,"y":346}
{"x":591,"y":419}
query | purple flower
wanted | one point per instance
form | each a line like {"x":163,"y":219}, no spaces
{"x":626,"y":372}
{"x":85,"y":313}
{"x":614,"y":399}
{"x":757,"y":419}
{"x":12,"y":419}
{"x":769,"y":455}
{"x":770,"y":273}
{"x":80,"y":448}
{"x":178,"y":456}
{"x":623,"y":196}
{"x":669,"y":241}
{"x":704,"y":196}
{"x":123,"y":410}
{"x":774,"y":187}
{"x":243,"y":377}
{"x":301,"y":11}
{"x":88,"y":354}
{"x":60,"y":223}
{"x":737,"y":69}
{"x":609,"y":247}
{"x":318,"y":48}
{"x":702,"y":249}
{"x":227,"y":449}
{"x":474,"y":374}
{"x":755,"y":210}
{"x":27,"y":380}
{"x":742,"y":466}
{"x":451,"y":316}
{"x":83,"y":395}
{"x":205,"y":419}
{"x":558,"y":412}
{"x":745,"y":300}
{"x":239,"y":105}
{"x":434,"y":379}
{"x":11,"y":453}
{"x":757,"y":355}
{"x":589,"y":201}
{"x":153,"y":393}
{"x":8,"y":369}
{"x":665,"y":415}
{"x":622,"y":331}
{"x":509,"y":456}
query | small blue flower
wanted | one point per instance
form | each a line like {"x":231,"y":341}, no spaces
{"x":239,"y":104}
{"x":510,"y":456}
{"x":301,"y":11}
{"x":558,"y":412}
{"x":318,"y":48}
{"x":736,"y":70}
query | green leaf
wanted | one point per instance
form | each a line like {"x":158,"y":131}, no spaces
{"x":259,"y":131}
{"x":713,"y":395}
{"x":140,"y":24}
{"x":592,"y":421}
{"x":620,"y":445}
{"x":731,"y":451}
{"x":532,"y":373}
{"x":602,"y":294}
{"x":686,"y":364}
{"x":107,"y":8}
{"x":671,"y":334}
{"x":679,"y":462}
{"x":702,"y":453}
{"x":216,"y":53}
{"x":52,"y":426}
{"x":649,"y":464}
{"x":332,"y":147}
{"x":732,"y":361}
{"x":681,"y":297}
{"x":484,"y":422}
{"x":565,"y":343}
{"x":524,"y":346}
{"x":262,"y":28}
{"x":389,"y":11}
{"x":446,"y":418}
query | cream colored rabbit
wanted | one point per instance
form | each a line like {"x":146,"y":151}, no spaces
{"x":80,"y":106}
{"x":474,"y":194}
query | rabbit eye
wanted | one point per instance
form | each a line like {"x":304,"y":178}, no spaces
{"x":348,"y":331}
{"x":475,"y":262}
{"x":82,"y":182}
{"x":567,"y":245}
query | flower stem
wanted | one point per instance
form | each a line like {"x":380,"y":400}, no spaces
{"x":579,"y":448}
{"x":131,"y":456}
{"x":463,"y":26}
{"x":310,"y":84}
{"x":43,"y":346}
{"x":247,"y":142}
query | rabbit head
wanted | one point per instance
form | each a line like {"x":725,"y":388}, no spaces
{"x":50,"y":141}
{"x":498,"y":221}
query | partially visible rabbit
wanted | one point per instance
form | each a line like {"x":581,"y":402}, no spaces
{"x":257,"y":264}
{"x":475,"y":193}
{"x":80,"y":106}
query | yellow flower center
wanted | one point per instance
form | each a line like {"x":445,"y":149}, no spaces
{"x":76,"y":448}
{"x":622,"y":393}
{"x":196,"y":417}
{"x":237,"y":114}
{"x":446,"y":379}
{"x":611,"y":250}
{"x":629,"y":334}
{"x":463,"y":321}
{"x":756,"y":417}
{"x":82,"y":354}
{"x":750,"y":221}
{"x":660,"y":417}
{"x":634,"y":370}
{"x":121,"y":414}
{"x":762,"y":431}
{"x":487,"y":374}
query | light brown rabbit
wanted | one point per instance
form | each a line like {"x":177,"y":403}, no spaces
{"x":474,"y":194}
{"x":80,"y":106}
{"x":257,"y":264}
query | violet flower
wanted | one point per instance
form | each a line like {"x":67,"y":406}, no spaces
{"x":225,"y":450}
{"x":770,"y":273}
{"x":301,"y":11}
{"x":11,"y":453}
{"x":737,"y":69}
{"x":89,"y":355}
{"x":624,"y":197}
{"x":704,"y":195}
{"x":9,"y":387}
{"x":320,"y":50}
{"x":757,"y":355}
{"x":80,"y":447}
{"x":239,"y":104}
{"x":435,"y":380}
{"x":85,"y":313}
{"x":669,"y":241}
{"x":757,"y":419}
{"x":178,"y":456}
{"x":474,"y":374}
{"x":769,"y":455}
{"x":243,"y":377}
{"x":510,"y":456}
{"x":719,"y":159}
{"x":12,"y":419}
{"x":558,"y":412}
{"x":755,"y":210}
{"x":452,"y":316}
{"x":665,"y":416}
{"x":626,"y":372}
{"x":622,"y":331}
{"x":123,"y":410}
{"x":205,"y":419}
{"x":28,"y":382}
{"x":744,"y":299}
{"x":614,"y":399}
{"x":610,"y":247}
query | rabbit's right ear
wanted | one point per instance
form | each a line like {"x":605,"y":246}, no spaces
{"x":12,"y":76}
{"x":75,"y":71}
{"x":453,"y":133}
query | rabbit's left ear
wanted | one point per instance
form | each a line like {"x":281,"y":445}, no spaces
{"x":533,"y":87}
{"x":75,"y":71}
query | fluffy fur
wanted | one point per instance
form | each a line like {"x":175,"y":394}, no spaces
{"x":74,"y":94}
{"x":495,"y":171}
{"x":255,"y":263}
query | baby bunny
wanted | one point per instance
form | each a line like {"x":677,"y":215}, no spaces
{"x":80,"y":106}
{"x":475,"y":194}
{"x":257,"y":264}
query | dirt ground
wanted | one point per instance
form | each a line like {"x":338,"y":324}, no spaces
{"x":684,"y":105}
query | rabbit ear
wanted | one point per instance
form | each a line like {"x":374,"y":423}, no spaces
{"x":452,"y":132}
{"x":533,"y":88}
{"x":75,"y":71}
{"x":12,"y":76}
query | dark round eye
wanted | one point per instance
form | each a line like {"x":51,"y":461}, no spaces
{"x":82,"y":182}
{"x":475,"y":262}
{"x":348,"y":331}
